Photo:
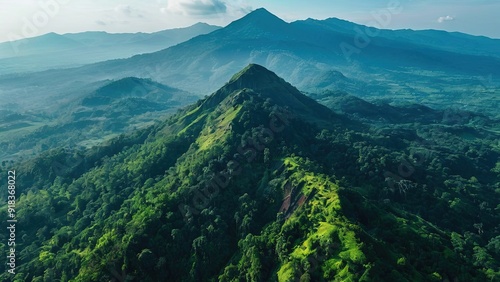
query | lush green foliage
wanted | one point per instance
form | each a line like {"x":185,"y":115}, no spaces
{"x":88,"y":119}
{"x":259,"y":183}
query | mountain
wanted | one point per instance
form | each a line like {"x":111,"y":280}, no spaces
{"x":37,"y":45}
{"x":257,"y":182}
{"x":129,"y":98}
{"x":435,"y":39}
{"x":382,"y":112}
{"x":87,"y":119}
{"x":448,"y":41}
{"x":132,"y":87}
{"x":315,"y":56}
{"x":69,"y":50}
{"x":259,"y":24}
{"x":256,"y":78}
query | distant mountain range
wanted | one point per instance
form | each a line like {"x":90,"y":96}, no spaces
{"x":300,"y":51}
{"x":73,"y":49}
{"x":431,"y":67}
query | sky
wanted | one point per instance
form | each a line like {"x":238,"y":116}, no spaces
{"x":27,"y":18}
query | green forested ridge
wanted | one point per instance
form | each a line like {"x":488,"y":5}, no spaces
{"x":258,"y":182}
{"x":89,"y":118}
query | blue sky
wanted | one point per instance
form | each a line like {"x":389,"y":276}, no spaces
{"x":27,"y":18}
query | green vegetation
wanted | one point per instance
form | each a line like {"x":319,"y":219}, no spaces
{"x":117,"y":107}
{"x":258,"y":182}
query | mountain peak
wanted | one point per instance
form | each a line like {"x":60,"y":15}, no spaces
{"x":255,"y":77}
{"x":263,"y":16}
{"x":258,"y":23}
{"x":259,"y":81}
{"x":261,"y":12}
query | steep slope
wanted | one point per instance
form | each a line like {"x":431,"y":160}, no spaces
{"x":269,"y":86}
{"x":255,"y":183}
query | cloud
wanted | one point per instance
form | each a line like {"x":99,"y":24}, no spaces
{"x":196,"y":7}
{"x":129,"y":11}
{"x":242,"y":9}
{"x":445,"y":19}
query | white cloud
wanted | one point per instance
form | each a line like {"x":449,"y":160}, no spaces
{"x":101,"y":23}
{"x":195,"y":7}
{"x":128,"y":11}
{"x":445,"y":19}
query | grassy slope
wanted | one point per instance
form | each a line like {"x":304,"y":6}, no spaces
{"x":121,"y":212}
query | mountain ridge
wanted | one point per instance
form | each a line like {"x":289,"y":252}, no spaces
{"x":306,"y":55}
{"x":255,"y":79}
{"x":112,"y":108}
{"x":250,"y":190}
{"x":259,"y":23}
{"x":76,"y":49}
